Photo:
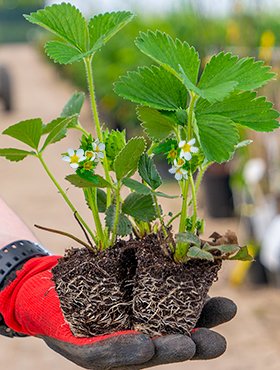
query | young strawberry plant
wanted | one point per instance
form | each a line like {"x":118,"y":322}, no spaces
{"x":157,"y":280}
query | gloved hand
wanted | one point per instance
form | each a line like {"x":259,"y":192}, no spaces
{"x":30,"y":305}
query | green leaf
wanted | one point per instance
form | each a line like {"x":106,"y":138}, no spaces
{"x":136,"y":186}
{"x":156,"y":125}
{"x":103,"y":27}
{"x":226,"y":72}
{"x":124,"y":225}
{"x":57,"y":130}
{"x":65,"y":21}
{"x":114,"y":143}
{"x":224,"y":249}
{"x":141,"y":207}
{"x":101,"y":201}
{"x":15,"y":155}
{"x":148,"y":171}
{"x":28,"y":132}
{"x":242,"y":255}
{"x":218,"y":137}
{"x":87,"y":181}
{"x":245,"y":109}
{"x":171,"y":54}
{"x":153,"y":87}
{"x":63,"y":53}
{"x":195,"y":252}
{"x":74,"y":105}
{"x":188,"y":237}
{"x":165,"y":146}
{"x":127,"y":160}
{"x":163,"y":195}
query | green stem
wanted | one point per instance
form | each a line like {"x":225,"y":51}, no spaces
{"x":194,"y":202}
{"x":191,"y":115}
{"x":173,"y":218}
{"x":117,"y":214}
{"x":184,"y":210}
{"x":80,"y":128}
{"x":165,"y":233}
{"x":67,"y":200}
{"x":92,"y":199}
{"x":91,"y":88}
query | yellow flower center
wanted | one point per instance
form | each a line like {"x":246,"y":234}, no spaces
{"x":180,"y":162}
{"x":179,"y":171}
{"x":173,"y":153}
{"x":186,"y":148}
{"x":97,"y":149}
{"x":89,"y":155}
{"x":75,"y":159}
{"x":88,"y":166}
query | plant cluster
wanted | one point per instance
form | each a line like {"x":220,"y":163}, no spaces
{"x":192,"y":121}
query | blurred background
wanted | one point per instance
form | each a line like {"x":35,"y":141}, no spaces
{"x":243,"y":196}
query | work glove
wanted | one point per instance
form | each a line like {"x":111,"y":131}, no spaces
{"x":29,"y":305}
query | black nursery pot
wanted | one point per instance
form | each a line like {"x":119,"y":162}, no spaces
{"x":168,"y":297}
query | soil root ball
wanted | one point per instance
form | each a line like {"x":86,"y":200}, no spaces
{"x":168,"y":297}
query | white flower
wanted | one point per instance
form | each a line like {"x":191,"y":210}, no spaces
{"x":74,"y":157}
{"x":98,"y":148}
{"x":177,"y":169}
{"x":187,"y":148}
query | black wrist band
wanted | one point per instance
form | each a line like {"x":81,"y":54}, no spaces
{"x":16,"y":253}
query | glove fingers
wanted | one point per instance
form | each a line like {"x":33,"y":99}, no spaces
{"x":216,"y":311}
{"x":129,"y":349}
{"x":168,"y":349}
{"x":209,"y":344}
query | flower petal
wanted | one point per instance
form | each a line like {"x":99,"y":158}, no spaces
{"x":100,"y":155}
{"x":172,"y":170}
{"x":81,"y":159}
{"x":187,"y":156}
{"x":66,"y":159}
{"x":74,"y":165}
{"x":178,"y":176}
{"x":101,"y":146}
{"x":182,"y":143}
{"x":191,"y":142}
{"x":71,"y":152}
{"x":194,"y":149}
{"x":80,"y":152}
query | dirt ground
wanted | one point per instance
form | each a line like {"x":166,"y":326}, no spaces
{"x":253,"y":336}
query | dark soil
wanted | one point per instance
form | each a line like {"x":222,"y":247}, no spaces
{"x":168,"y":296}
{"x":134,"y":285}
{"x":95,"y":290}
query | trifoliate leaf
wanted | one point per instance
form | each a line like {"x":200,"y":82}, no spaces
{"x":28,"y":132}
{"x":87,"y":181}
{"x":57,"y":130}
{"x":114,"y":143}
{"x":171,"y":54}
{"x":153,"y":87}
{"x":136,"y":186}
{"x":245,"y":109}
{"x":225,"y":73}
{"x":148,"y":171}
{"x":101,"y":201}
{"x":218,"y":137}
{"x":124,"y":225}
{"x":103,"y":27}
{"x":197,"y":253}
{"x":187,"y":237}
{"x":242,"y":255}
{"x":127,"y":160}
{"x":74,"y":105}
{"x":14,"y":155}
{"x":65,"y":21}
{"x":156,"y":125}
{"x":141,"y":207}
